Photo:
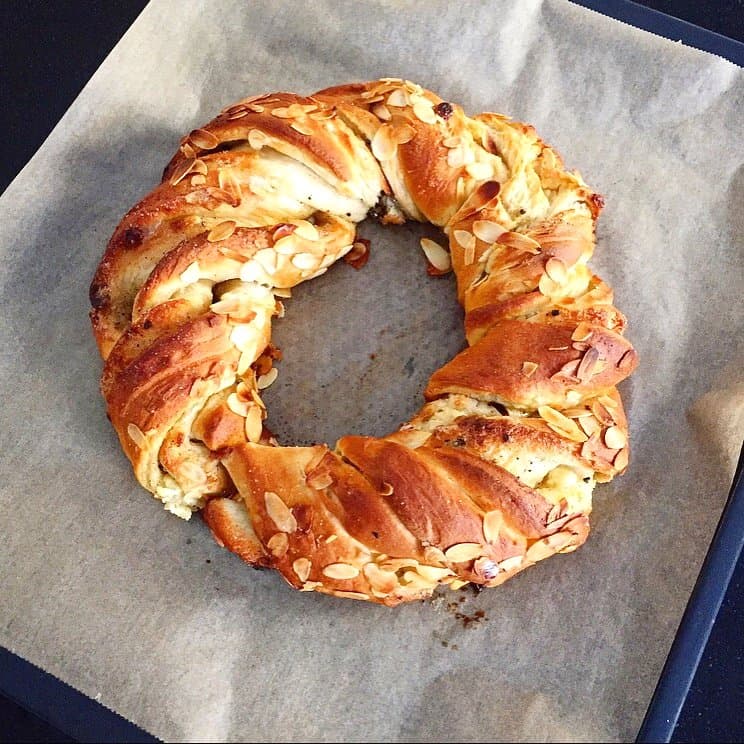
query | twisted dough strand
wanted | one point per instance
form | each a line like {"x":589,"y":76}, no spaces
{"x":496,"y":470}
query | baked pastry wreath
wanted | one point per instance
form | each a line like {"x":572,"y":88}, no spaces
{"x":496,"y":470}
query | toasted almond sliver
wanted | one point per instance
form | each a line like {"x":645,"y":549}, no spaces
{"x":306,"y":230}
{"x":181,"y":171}
{"x":301,"y":128}
{"x":582,"y":332}
{"x":434,"y":555}
{"x":304,"y":261}
{"x":268,"y":379}
{"x":487,"y":230}
{"x":383,"y":145}
{"x":398,"y":98}
{"x":492,"y":522}
{"x":203,"y":139}
{"x":402,"y":133}
{"x":423,"y":111}
{"x":222,"y":231}
{"x":529,"y":368}
{"x":436,"y":255}
{"x":510,"y":563}
{"x":561,"y":424}
{"x":556,"y":270}
{"x":257,"y":139}
{"x":238,"y":405}
{"x":302,"y":568}
{"x":588,"y":364}
{"x":463,"y":552}
{"x":433,"y":573}
{"x":318,"y":480}
{"x":136,"y":435}
{"x":279,"y":512}
{"x":381,"y":111}
{"x":191,"y":274}
{"x":468,"y":257}
{"x":519,"y":242}
{"x":464,"y":238}
{"x":340,"y":571}
{"x":621,"y":459}
{"x":278,"y":544}
{"x":451,"y":142}
{"x":254,"y":424}
{"x":615,"y":438}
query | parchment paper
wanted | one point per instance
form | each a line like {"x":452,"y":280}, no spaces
{"x":146,"y":614}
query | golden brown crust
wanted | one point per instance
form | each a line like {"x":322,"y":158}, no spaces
{"x":495,"y":472}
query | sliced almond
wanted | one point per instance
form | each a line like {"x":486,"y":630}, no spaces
{"x":383,"y":144}
{"x":318,"y":480}
{"x":279,"y":512}
{"x":304,"y":261}
{"x":302,"y":568}
{"x":381,"y":111}
{"x":451,"y":142}
{"x":433,"y":573}
{"x":424,"y":111}
{"x":253,"y":424}
{"x":492,"y":522}
{"x":621,"y":460}
{"x":556,"y":270}
{"x":615,"y":438}
{"x":529,"y":368}
{"x":237,"y":405}
{"x":203,"y":139}
{"x":487,"y":231}
{"x":398,"y":98}
{"x":402,"y":132}
{"x":582,"y":332}
{"x":221,"y":231}
{"x":510,"y":564}
{"x":257,"y":139}
{"x":463,"y":552}
{"x":519,"y":242}
{"x":278,"y":544}
{"x":306,"y":230}
{"x":561,"y":424}
{"x":136,"y":435}
{"x":340,"y":571}
{"x":436,"y":255}
{"x":301,"y":128}
{"x":181,"y":171}
{"x":464,"y":238}
{"x":268,"y":379}
{"x":456,"y":157}
{"x":587,"y":365}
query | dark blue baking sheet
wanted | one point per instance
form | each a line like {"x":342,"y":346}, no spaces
{"x":700,"y":695}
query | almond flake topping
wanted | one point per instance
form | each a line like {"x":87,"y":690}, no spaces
{"x":615,"y":438}
{"x":279,"y":512}
{"x":383,"y":144}
{"x":529,"y":368}
{"x":222,"y":231}
{"x":340,"y":571}
{"x":463,"y":552}
{"x":556,"y":270}
{"x":257,"y":139}
{"x":487,"y":231}
{"x":436,"y":255}
{"x":203,"y":139}
{"x":381,"y":111}
{"x":561,"y":424}
{"x":582,"y":333}
{"x":492,"y":522}
{"x":254,"y":424}
{"x":464,"y":238}
{"x":278,"y":544}
{"x":302,"y":568}
{"x":136,"y":435}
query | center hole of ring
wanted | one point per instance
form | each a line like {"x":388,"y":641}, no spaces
{"x":360,"y":345}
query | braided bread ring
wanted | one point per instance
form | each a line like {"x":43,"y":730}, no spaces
{"x":496,"y":470}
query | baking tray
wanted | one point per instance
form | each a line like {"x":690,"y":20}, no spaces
{"x":84,"y":719}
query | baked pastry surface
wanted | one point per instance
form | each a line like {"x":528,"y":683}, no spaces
{"x":496,"y":470}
